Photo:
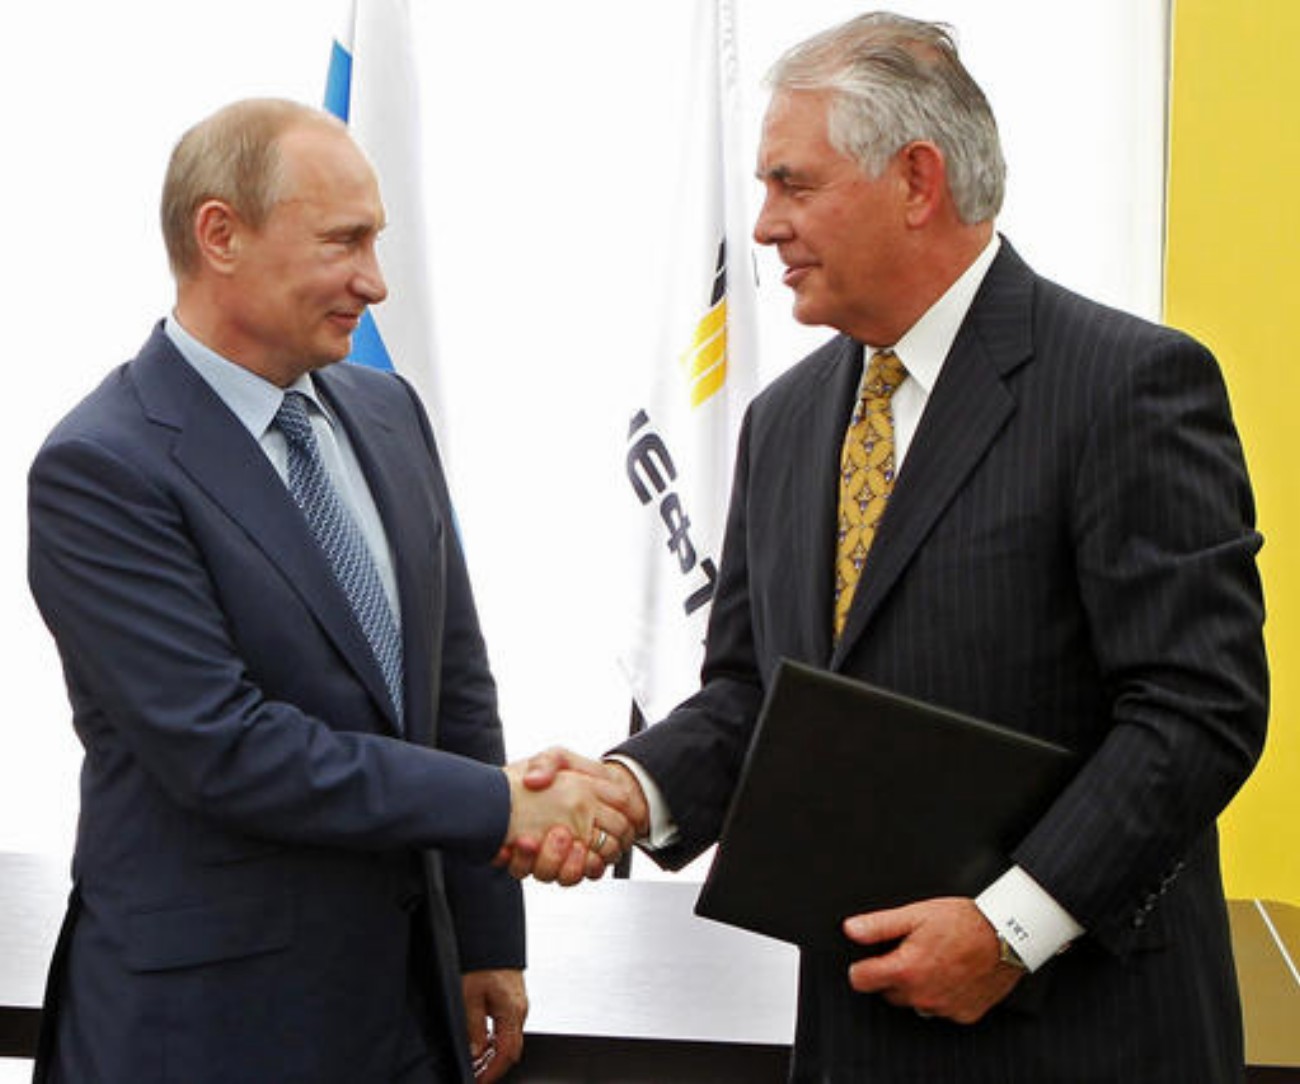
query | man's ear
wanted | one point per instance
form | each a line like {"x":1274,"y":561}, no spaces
{"x":926,"y":174}
{"x":217,"y":231}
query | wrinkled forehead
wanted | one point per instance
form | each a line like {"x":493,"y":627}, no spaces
{"x":794,"y":126}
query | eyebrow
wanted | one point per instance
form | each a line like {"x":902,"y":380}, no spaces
{"x":782,"y":174}
{"x":351,"y":231}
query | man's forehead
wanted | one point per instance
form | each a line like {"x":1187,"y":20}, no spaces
{"x":315,"y":149}
{"x":803,"y":106}
{"x":794,"y":114}
{"x":794,"y":136}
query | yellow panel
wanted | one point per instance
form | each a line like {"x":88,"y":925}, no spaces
{"x":1233,"y":280}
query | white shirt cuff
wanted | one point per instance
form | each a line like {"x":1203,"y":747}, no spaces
{"x":663,"y":830}
{"x":1033,"y":923}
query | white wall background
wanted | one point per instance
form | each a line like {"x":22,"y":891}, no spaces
{"x":550,"y":161}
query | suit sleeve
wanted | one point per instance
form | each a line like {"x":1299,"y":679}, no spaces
{"x":152,"y":668}
{"x":1164,"y":547}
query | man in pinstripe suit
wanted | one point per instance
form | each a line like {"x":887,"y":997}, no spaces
{"x":1068,"y":549}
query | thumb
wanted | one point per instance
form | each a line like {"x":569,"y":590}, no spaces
{"x":542,"y":768}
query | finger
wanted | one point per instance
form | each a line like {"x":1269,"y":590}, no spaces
{"x":508,"y":1032}
{"x":521,"y":864}
{"x":613,"y":834}
{"x":527,"y":845}
{"x":574,"y":867}
{"x":879,"y":926}
{"x":484,"y":1064}
{"x":518,"y":857}
{"x":504,"y":1050}
{"x":599,"y":859}
{"x":476,"y":1017}
{"x":596,"y":866}
{"x":554,"y":851}
{"x":876,"y":975}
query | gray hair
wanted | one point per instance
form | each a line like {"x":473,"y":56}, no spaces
{"x":894,"y":80}
{"x":232,"y":156}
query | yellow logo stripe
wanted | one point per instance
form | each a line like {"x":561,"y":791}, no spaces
{"x":706,"y":362}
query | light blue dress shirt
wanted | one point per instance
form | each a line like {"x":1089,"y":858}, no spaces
{"x":254,"y":401}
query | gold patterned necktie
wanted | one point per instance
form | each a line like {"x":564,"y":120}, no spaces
{"x":866,"y":476}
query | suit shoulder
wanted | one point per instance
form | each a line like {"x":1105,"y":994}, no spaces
{"x":351,"y":378}
{"x":1061,"y":315}
{"x":381,"y":389}
{"x":118,"y":405}
{"x":100,"y":413}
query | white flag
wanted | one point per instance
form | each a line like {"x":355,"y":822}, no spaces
{"x":372,"y":85}
{"x":682,"y":428}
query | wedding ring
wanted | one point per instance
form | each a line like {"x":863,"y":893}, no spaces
{"x":599,"y":841}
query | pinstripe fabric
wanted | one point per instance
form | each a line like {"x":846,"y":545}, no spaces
{"x":1069,"y":550}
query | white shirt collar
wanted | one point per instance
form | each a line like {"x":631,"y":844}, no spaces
{"x":251,"y":398}
{"x":927,"y":342}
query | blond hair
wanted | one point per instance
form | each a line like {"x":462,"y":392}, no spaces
{"x":232,"y":156}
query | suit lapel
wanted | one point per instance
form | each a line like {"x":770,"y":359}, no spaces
{"x":221,"y":457}
{"x":968,"y":407}
{"x":817,"y":423}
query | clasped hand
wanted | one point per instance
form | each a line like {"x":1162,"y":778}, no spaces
{"x":570,"y":817}
{"x":941,"y":959}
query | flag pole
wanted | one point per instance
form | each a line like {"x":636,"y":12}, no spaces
{"x":636,"y":724}
{"x":684,"y":422}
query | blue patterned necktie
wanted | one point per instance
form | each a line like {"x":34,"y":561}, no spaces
{"x":339,"y":536}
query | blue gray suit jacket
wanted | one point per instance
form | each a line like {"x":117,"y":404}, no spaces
{"x":1068,"y":550}
{"x":254,"y":834}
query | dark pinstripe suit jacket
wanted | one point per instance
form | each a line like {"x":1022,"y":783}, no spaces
{"x":1069,"y":550}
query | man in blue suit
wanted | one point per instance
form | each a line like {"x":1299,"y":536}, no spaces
{"x":282,"y":869}
{"x":1066,"y":547}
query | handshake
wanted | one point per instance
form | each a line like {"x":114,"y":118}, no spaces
{"x":570,"y":817}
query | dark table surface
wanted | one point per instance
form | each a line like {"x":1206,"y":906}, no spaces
{"x":628,"y":961}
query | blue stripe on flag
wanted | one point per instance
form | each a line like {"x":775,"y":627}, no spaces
{"x":338,"y":82}
{"x":367,"y":345}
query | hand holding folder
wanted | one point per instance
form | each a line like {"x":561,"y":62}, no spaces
{"x":854,"y":799}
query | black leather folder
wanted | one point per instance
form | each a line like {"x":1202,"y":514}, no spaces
{"x":854,"y":799}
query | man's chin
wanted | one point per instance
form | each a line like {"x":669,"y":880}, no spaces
{"x":806,"y":313}
{"x":336,"y":351}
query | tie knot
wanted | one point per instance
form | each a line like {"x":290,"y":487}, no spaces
{"x":292,"y":420}
{"x":885,"y":372}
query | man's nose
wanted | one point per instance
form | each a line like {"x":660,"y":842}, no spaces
{"x":769,"y":227}
{"x":369,"y":280}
